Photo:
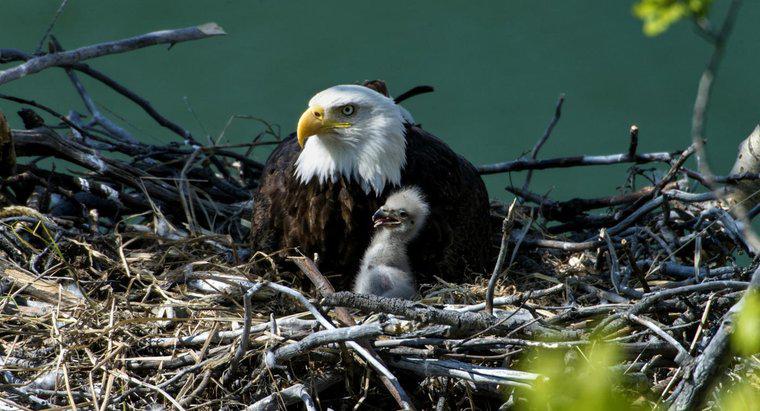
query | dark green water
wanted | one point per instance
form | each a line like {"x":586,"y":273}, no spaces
{"x":498,"y":67}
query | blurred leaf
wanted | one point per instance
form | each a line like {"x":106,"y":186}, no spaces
{"x":744,"y":396}
{"x":746,"y":337}
{"x":585,"y":382}
{"x":659,"y":15}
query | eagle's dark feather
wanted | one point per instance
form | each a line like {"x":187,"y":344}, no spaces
{"x":334,"y":219}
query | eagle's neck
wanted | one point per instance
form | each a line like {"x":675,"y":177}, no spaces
{"x":374,"y":159}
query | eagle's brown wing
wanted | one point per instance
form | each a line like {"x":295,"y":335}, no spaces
{"x":331,"y":219}
{"x":456,"y":237}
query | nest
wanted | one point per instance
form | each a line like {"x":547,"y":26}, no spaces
{"x":130,"y":285}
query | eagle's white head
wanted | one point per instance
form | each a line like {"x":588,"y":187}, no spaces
{"x":355,"y":132}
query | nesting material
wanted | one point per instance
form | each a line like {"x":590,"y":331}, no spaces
{"x":129,"y":283}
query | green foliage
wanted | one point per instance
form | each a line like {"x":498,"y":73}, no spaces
{"x":585,"y":382}
{"x":659,"y":15}
{"x":743,"y":396}
{"x":745,"y":339}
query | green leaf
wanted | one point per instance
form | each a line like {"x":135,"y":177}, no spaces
{"x":742,"y":396}
{"x":585,"y":382}
{"x":745,"y":339}
{"x":659,"y":15}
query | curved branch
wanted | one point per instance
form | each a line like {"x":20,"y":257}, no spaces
{"x":38,"y":64}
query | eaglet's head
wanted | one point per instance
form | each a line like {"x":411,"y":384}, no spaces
{"x":355,"y":132}
{"x":403,"y":213}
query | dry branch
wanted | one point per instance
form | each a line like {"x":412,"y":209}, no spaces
{"x":43,"y":62}
{"x":578,"y":161}
{"x":353,"y":333}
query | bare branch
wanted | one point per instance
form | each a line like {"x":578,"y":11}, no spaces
{"x":578,"y":161}
{"x":544,"y":137}
{"x":38,"y":64}
{"x":319,"y":338}
{"x":707,"y":366}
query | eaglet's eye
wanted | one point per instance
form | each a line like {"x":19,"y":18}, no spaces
{"x":347,"y":110}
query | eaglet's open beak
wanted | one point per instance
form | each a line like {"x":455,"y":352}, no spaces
{"x":313,"y":122}
{"x":384,"y":218}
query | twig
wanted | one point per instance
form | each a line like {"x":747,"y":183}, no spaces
{"x":124,"y":376}
{"x":460,"y":322}
{"x":658,"y":201}
{"x":326,"y":289}
{"x":248,"y":314}
{"x":579,"y":161}
{"x":15,"y":55}
{"x":293,"y":394}
{"x":683,"y":355}
{"x":457,"y":369}
{"x":57,"y":14}
{"x":514,"y":299}
{"x":707,"y":366}
{"x":613,"y":261}
{"x":48,"y":110}
{"x":186,"y":193}
{"x":99,"y":118}
{"x":634,"y":144}
{"x":38,"y":64}
{"x":286,"y":326}
{"x":544,"y":137}
{"x":704,"y":89}
{"x":572,"y":207}
{"x":373,"y":362}
{"x":506,"y":231}
{"x":319,"y":338}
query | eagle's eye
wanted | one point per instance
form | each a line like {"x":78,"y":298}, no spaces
{"x":403,"y":214}
{"x":347,"y":110}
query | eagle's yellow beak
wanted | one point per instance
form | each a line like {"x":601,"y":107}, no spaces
{"x":313,"y":122}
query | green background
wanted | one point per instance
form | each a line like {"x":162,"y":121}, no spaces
{"x":498,"y":67}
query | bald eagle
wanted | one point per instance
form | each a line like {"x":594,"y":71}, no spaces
{"x":353,"y":147}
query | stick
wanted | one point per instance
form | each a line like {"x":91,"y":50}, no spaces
{"x":704,"y":90}
{"x":124,"y":376}
{"x":513,"y":299}
{"x":579,"y":161}
{"x":361,"y":351}
{"x":506,"y":231}
{"x":613,"y":261}
{"x":576,"y":205}
{"x":634,"y":134}
{"x":683,"y":355}
{"x":289,"y":325}
{"x":544,"y":137}
{"x":456,"y":369}
{"x":89,"y":103}
{"x":658,"y":201}
{"x":7,"y":55}
{"x":319,"y":338}
{"x":46,"y":141}
{"x":38,"y":64}
{"x":460,"y":322}
{"x":248,"y":314}
{"x":293,"y":394}
{"x":57,"y":14}
{"x":706,"y":368}
{"x":326,"y":289}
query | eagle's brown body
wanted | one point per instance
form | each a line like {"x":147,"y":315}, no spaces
{"x":334,"y":219}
